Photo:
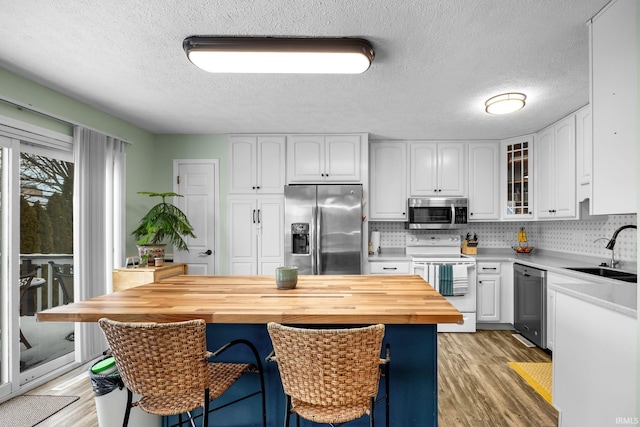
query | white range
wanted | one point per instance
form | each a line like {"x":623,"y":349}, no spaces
{"x":429,"y":253}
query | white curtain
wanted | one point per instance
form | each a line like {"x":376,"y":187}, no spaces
{"x":98,"y":223}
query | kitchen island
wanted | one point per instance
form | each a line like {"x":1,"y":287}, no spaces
{"x":240,"y":307}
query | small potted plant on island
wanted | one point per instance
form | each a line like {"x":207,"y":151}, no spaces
{"x":163,"y":224}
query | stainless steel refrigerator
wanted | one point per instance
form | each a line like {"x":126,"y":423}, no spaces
{"x":323,"y":228}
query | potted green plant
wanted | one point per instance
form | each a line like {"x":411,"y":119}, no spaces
{"x":163,"y":224}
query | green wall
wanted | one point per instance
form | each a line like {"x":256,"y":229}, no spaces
{"x":36,"y":96}
{"x":170,"y":147}
{"x":149,"y":156}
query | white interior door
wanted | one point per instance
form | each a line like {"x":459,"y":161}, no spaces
{"x":198,"y":181}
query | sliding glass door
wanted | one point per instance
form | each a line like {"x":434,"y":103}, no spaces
{"x":46,"y":257}
{"x":36,"y":259}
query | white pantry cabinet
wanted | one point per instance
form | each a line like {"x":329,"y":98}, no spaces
{"x":484,"y":181}
{"x":437,"y":168}
{"x":255,"y":234}
{"x":555,"y":149}
{"x":256,"y":164}
{"x":388,"y":180}
{"x":318,"y":158}
{"x":614,"y":102}
{"x":516,"y":188}
{"x":489,"y":294}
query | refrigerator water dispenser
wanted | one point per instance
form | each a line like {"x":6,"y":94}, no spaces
{"x":300,"y":238}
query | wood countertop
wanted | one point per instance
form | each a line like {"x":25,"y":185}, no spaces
{"x":346,"y":299}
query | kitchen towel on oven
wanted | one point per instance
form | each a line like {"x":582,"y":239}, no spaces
{"x":460,"y":279}
{"x":446,"y":280}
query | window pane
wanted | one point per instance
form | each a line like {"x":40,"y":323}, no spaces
{"x":46,"y":256}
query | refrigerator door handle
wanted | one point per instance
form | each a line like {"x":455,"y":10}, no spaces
{"x":319,"y":240}
{"x":314,"y":239}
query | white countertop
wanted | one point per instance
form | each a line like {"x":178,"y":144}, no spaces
{"x":609,"y":293}
{"x":620,"y":296}
{"x":390,"y":255}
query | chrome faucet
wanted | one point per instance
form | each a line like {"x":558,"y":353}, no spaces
{"x":612,"y":242}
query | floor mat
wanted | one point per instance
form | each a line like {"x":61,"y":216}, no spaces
{"x":29,"y":410}
{"x":537,"y":375}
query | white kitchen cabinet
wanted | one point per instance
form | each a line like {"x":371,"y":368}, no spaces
{"x":256,"y":164}
{"x":489,"y":295}
{"x":584,"y":153}
{"x":554,"y":278}
{"x":388,"y":181}
{"x":437,"y":168}
{"x":555,"y":151}
{"x":330,"y":158}
{"x":507,"y":290}
{"x":614,"y":102}
{"x":551,"y":319}
{"x":255,"y":234}
{"x":516,"y":188}
{"x":484,"y":181}
{"x":389,"y":267}
{"x":594,"y":364}
{"x":494,"y":301}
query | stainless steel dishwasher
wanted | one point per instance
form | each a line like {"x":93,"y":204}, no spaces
{"x":530,"y":303}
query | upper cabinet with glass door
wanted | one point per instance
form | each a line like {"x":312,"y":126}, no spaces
{"x":517,"y":182}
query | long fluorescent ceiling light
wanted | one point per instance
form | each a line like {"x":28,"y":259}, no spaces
{"x":279,"y":54}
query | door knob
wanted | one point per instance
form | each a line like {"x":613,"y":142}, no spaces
{"x":207,"y":252}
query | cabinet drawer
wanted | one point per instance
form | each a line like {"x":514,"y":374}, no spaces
{"x":488,"y":268}
{"x":400,"y":267}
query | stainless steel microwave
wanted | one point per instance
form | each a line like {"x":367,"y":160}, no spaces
{"x":437,"y":213}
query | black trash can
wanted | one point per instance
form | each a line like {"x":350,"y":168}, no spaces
{"x":111,"y":397}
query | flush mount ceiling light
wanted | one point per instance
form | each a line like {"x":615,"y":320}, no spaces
{"x":279,"y":54}
{"x":505,"y":103}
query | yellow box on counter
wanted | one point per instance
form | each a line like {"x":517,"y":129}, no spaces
{"x":469,"y":248}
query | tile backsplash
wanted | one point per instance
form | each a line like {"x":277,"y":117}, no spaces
{"x":576,"y":237}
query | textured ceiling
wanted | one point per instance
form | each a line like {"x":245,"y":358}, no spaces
{"x":436,"y":63}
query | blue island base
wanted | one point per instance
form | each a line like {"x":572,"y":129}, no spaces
{"x":413,"y":378}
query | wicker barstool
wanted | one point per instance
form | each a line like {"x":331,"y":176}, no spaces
{"x":330,"y":375}
{"x":167,"y":365}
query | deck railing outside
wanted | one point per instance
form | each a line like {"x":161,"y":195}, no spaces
{"x":48,"y":295}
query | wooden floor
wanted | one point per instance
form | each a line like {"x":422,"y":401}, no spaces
{"x":80,"y":413}
{"x":476,"y":387}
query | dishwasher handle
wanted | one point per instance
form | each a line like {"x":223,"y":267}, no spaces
{"x":527,"y":271}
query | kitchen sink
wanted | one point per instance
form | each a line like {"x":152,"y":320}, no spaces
{"x":608,"y":273}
